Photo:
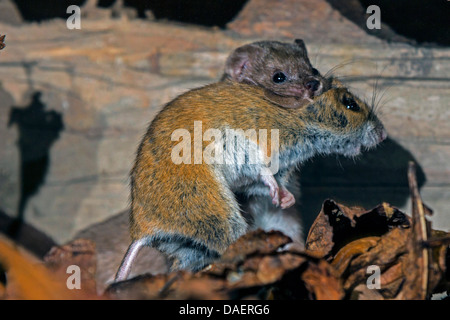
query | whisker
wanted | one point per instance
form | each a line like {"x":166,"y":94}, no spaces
{"x":374,"y":95}
{"x":316,"y":55}
{"x":338,"y":160}
{"x":343,"y":64}
{"x":340,"y":77}
{"x":374,"y":101}
{"x":382,"y":98}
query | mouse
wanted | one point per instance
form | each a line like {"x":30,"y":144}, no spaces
{"x":186,"y":171}
{"x":282,"y":69}
{"x":289,"y":80}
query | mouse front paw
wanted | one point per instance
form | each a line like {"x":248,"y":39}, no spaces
{"x":287,"y":199}
{"x":280,"y":195}
{"x":274,"y":189}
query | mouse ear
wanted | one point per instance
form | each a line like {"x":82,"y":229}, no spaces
{"x":289,"y":102}
{"x":300,"y":43}
{"x":240,"y":61}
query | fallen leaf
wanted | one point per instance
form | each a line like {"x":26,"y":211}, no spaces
{"x":337,"y":225}
{"x":27,"y":277}
{"x":81,"y":253}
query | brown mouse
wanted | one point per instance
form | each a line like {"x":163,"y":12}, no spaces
{"x":185,"y":205}
{"x":282,"y":69}
{"x":265,"y":63}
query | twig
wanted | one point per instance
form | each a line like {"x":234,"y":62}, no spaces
{"x":419,"y":231}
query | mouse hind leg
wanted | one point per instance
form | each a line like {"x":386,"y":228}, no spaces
{"x":265,"y":215}
{"x":187,"y":254}
{"x":192,"y":259}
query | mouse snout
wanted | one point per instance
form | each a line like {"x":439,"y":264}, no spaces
{"x":312,"y":85}
{"x":382,"y":134}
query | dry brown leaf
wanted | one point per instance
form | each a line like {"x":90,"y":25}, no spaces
{"x":322,"y":280}
{"x":174,"y":286}
{"x":28,"y":279}
{"x":2,"y":292}
{"x":250,"y":243}
{"x":355,"y":248}
{"x":391,"y":275}
{"x":409,"y":269}
{"x":389,"y":248}
{"x":362,"y":292}
{"x":80,"y":252}
{"x":258,"y":270}
{"x":336,"y":225}
{"x":256,"y":241}
{"x":263,"y":269}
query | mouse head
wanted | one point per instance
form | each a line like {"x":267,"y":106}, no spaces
{"x":339,"y":122}
{"x":283,"y":69}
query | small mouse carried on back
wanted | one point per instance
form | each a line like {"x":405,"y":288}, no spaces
{"x":289,"y":80}
{"x":188,"y":209}
{"x":282,"y":69}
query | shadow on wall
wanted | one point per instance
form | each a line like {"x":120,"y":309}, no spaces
{"x":38,"y":130}
{"x":378,"y":175}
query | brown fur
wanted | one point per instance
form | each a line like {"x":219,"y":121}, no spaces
{"x":193,"y":203}
{"x":257,"y":63}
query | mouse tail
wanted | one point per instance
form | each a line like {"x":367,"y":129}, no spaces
{"x":127,"y":261}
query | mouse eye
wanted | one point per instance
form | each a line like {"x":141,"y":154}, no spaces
{"x":315,"y":72}
{"x":350,"y":104}
{"x":279,"y":77}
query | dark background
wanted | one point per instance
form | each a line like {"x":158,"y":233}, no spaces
{"x":416,"y":21}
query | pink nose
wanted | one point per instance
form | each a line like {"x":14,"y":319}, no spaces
{"x":383,"y":135}
{"x":312,"y":85}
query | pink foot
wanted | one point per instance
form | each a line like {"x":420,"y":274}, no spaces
{"x":280,"y":196}
{"x":287,"y":199}
{"x":274,"y":190}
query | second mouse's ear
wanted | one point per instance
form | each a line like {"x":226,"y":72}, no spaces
{"x":240,"y":62}
{"x":300,"y":43}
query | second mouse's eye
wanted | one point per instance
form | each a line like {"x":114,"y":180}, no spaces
{"x":350,"y":104}
{"x":279,"y":77}
{"x":315,"y":72}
